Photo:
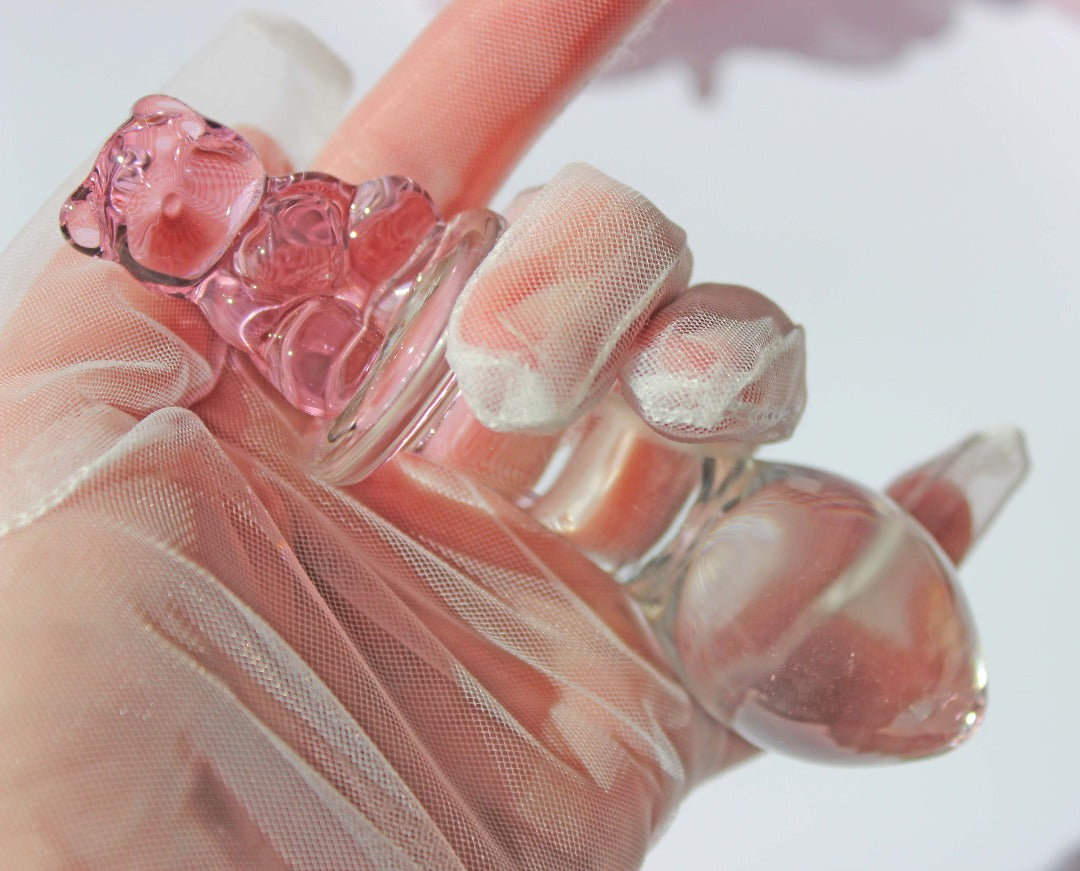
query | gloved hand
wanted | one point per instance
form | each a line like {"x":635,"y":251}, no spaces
{"x":212,"y":659}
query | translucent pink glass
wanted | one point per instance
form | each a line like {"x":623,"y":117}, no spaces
{"x":302,"y":271}
{"x":341,"y":293}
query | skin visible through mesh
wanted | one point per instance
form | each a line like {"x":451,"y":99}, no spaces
{"x":721,"y":362}
{"x":589,"y":248}
{"x":214,"y":661}
{"x":473,"y":91}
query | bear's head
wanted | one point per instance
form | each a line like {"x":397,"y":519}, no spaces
{"x":167,"y":195}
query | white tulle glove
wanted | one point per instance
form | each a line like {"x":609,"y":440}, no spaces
{"x":212,"y":659}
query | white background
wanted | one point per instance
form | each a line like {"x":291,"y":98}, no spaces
{"x":903,"y":176}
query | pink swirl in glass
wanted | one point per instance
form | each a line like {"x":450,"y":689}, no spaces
{"x":300,"y":271}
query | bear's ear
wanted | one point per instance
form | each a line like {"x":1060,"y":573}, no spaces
{"x":79,"y":222}
{"x":159,"y":107}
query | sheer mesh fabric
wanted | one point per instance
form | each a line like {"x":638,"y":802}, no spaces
{"x":516,"y":62}
{"x":721,"y":362}
{"x":588,"y":248}
{"x":212,"y":660}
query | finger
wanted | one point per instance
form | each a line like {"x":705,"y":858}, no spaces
{"x":957,"y":494}
{"x":539,"y":331}
{"x":719,"y":363}
{"x":617,"y":489}
{"x":464,"y":102}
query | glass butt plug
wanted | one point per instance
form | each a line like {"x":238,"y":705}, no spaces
{"x":783,"y":595}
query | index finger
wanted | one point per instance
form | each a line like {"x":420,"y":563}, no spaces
{"x":466,"y":100}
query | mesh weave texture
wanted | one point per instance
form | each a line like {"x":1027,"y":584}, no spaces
{"x":212,"y":660}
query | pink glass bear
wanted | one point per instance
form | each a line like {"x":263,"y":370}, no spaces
{"x":300,"y":271}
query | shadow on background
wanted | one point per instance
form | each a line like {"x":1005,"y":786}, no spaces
{"x":850,"y":32}
{"x":1070,"y":862}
